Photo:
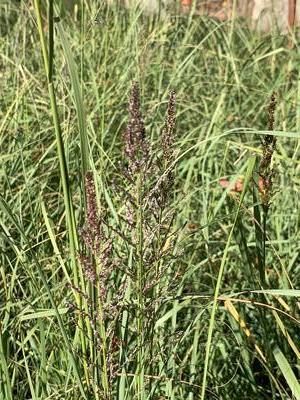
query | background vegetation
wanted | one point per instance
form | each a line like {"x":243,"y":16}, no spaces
{"x":199,"y":297}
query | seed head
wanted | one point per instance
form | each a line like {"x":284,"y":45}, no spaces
{"x":91,"y":211}
{"x":135,"y":145}
{"x":168,"y":131}
{"x":271,"y":112}
{"x":269,"y":145}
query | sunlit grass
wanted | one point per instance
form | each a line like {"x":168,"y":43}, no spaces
{"x":218,"y":336}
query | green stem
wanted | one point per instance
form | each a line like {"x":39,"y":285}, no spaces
{"x":265,"y":217}
{"x":70,"y":217}
{"x":140,"y":287}
{"x":103,"y":337}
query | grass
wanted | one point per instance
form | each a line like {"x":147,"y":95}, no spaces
{"x":206,"y":277}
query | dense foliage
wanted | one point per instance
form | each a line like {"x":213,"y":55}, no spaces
{"x":143,"y":259}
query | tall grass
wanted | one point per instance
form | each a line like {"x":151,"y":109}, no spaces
{"x":187,"y":290}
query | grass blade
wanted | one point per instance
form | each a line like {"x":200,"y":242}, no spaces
{"x":287,"y":372}
{"x":78,"y":100}
{"x":251,"y":164}
{"x":5,"y":210}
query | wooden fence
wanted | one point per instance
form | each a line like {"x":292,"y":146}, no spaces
{"x":263,"y":15}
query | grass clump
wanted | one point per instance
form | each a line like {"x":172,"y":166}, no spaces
{"x":182,"y":281}
{"x":127,"y":266}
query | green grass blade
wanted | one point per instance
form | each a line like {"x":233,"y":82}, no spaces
{"x":5,"y":377}
{"x":78,"y":100}
{"x":251,"y":164}
{"x":280,"y":292}
{"x":287,"y":372}
{"x":31,"y":386}
{"x":5,"y":210}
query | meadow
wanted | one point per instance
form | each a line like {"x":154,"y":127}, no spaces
{"x":149,"y":239}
